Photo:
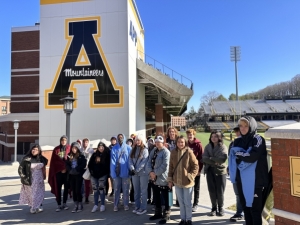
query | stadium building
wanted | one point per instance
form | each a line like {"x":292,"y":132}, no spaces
{"x":92,"y":51}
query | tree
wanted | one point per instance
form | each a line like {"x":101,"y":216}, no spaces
{"x":221,"y":98}
{"x":232,"y":97}
{"x":209,"y":97}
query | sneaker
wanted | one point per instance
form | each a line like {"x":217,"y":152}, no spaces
{"x":236,"y":218}
{"x":221,"y":212}
{"x":65,"y":207}
{"x":102,"y":208}
{"x":126,"y":207}
{"x":188,"y":222}
{"x":135,"y":210}
{"x":182,"y":222}
{"x":74,"y":209}
{"x":41,"y":209}
{"x":195,"y":208}
{"x":33,"y":211}
{"x":58,"y":208}
{"x":116,"y":209}
{"x":141,"y":211}
{"x":80,"y":207}
{"x":213,"y":212}
{"x":95,"y":208}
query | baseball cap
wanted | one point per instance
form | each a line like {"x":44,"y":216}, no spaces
{"x":159,"y":139}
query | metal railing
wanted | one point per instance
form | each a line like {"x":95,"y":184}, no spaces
{"x":165,"y":70}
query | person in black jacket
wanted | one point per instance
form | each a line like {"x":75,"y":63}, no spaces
{"x":76,"y":164}
{"x":258,"y":153}
{"x":99,"y":166}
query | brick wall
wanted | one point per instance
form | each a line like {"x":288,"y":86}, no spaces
{"x":283,"y":200}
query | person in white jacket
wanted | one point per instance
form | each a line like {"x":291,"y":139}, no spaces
{"x":87,"y":151}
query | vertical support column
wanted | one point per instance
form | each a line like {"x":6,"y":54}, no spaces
{"x":159,"y":118}
{"x":166,"y":122}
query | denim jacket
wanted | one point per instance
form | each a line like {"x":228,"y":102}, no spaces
{"x":161,"y":166}
{"x":139,"y":164}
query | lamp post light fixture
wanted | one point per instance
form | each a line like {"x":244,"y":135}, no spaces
{"x":16,"y":127}
{"x":235,"y":55}
{"x":68,"y":109}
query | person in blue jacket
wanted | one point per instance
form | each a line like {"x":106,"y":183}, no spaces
{"x":258,"y":154}
{"x":119,"y":171}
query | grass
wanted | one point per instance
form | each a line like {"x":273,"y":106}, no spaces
{"x":204,"y":138}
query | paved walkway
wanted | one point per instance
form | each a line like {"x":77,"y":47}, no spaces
{"x":12,"y":213}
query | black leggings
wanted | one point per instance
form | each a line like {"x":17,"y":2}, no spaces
{"x":157,"y":191}
{"x":62,"y":179}
{"x":76,"y":185}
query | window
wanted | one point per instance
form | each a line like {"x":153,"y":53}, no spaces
{"x":3,"y":108}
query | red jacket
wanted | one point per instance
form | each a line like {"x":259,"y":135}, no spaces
{"x":198,"y":151}
{"x":56,"y":165}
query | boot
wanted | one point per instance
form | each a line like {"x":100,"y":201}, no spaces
{"x":165,"y":217}
{"x":157,"y":214}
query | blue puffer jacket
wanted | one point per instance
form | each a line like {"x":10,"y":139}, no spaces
{"x":121,"y":154}
{"x":161,"y":166}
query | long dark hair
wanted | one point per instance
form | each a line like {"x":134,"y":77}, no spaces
{"x":219,"y":135}
{"x":77,"y":154}
{"x":29,"y":153}
{"x":142,"y":147}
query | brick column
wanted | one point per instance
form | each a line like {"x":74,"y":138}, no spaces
{"x":285,"y":143}
{"x":159,"y":118}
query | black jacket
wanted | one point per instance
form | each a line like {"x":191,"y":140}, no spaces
{"x":102,"y":168}
{"x":258,"y":153}
{"x":81,"y":164}
{"x":24,"y":169}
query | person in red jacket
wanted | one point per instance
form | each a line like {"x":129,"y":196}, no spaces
{"x":58,"y":175}
{"x":197,"y":148}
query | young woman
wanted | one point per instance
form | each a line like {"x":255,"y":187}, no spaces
{"x":32,"y":171}
{"x":157,"y":168}
{"x":214,"y":158}
{"x":76,"y":164}
{"x":172,"y":134}
{"x":183,"y":169}
{"x":137,"y":161}
{"x":151,"y":146}
{"x":99,"y":168}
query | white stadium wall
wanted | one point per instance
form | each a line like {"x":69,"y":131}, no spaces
{"x":87,"y":51}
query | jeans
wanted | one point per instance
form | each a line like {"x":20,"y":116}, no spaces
{"x":216,"y":186}
{"x":76,"y":184}
{"x":123,"y":183}
{"x":157,"y":193}
{"x":252,"y":214}
{"x":99,"y":185}
{"x":140,"y":184}
{"x":184,"y":196}
{"x":239,"y":207}
{"x":62,"y":179}
{"x":196,"y":190}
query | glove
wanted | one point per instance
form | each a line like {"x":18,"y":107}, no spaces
{"x":132,"y":172}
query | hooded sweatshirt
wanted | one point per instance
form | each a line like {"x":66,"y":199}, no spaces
{"x":87,"y":152}
{"x":120,"y":153}
{"x":198,"y":151}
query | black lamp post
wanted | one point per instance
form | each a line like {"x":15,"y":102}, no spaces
{"x":68,"y":109}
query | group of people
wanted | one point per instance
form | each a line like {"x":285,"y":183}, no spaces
{"x":152,"y":166}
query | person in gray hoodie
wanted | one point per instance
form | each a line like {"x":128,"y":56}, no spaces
{"x":137,"y":163}
{"x":158,"y":168}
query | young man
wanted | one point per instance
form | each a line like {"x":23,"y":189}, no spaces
{"x":197,"y":148}
{"x":238,"y":216}
{"x":58,"y":175}
{"x":87,"y":152}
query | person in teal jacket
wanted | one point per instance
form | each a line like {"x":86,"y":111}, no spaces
{"x":119,"y":171}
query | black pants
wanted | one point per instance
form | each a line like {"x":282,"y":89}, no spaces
{"x":216,"y":186}
{"x":62,"y":179}
{"x":131,"y":197}
{"x":76,"y":184}
{"x":196,"y":190}
{"x":150,"y":187}
{"x":252,"y":214}
{"x":157,"y":192}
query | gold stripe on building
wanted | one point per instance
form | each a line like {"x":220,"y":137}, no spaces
{"x":47,"y":2}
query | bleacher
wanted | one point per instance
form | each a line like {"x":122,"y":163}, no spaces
{"x":229,"y":125}
{"x":222,"y":107}
{"x":216,"y":126}
{"x":280,"y":106}
{"x":260,"y":106}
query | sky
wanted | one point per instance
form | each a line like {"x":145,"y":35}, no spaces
{"x":194,"y":37}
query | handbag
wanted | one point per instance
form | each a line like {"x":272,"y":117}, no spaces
{"x":87,"y":174}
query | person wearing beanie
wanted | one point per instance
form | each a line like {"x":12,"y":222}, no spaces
{"x":58,"y":175}
{"x":87,"y":151}
{"x":99,"y":164}
{"x":119,"y":171}
{"x":32,"y":171}
{"x":76,"y":164}
{"x":80,"y":143}
{"x":252,"y":203}
{"x":137,"y":164}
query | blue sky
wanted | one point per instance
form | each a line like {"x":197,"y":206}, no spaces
{"x":194,"y":38}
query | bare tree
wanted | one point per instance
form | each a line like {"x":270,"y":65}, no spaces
{"x":209,"y":97}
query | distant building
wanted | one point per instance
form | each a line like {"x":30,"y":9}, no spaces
{"x":4,"y":105}
{"x":178,"y":121}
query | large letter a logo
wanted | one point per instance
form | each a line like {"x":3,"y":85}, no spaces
{"x":83,"y":62}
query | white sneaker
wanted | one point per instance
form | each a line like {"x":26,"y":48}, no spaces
{"x":33,"y":211}
{"x":41,"y":209}
{"x":116,"y":209}
{"x":135,"y":210}
{"x":102,"y":208}
{"x":141,"y":211}
{"x":94,"y":208}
